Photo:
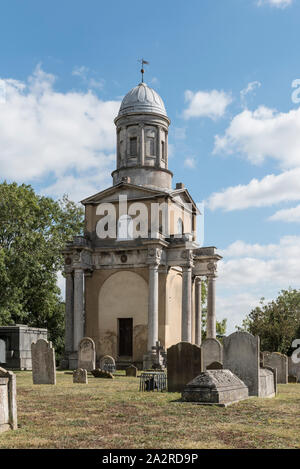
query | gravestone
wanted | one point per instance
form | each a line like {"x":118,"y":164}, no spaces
{"x":43,"y":363}
{"x":294,"y":367}
{"x":267,"y":382}
{"x":215,"y":366}
{"x":2,"y":351}
{"x":212,"y":351}
{"x":184,"y":363}
{"x":87,"y":354}
{"x":107,"y":363}
{"x":80,"y":376}
{"x":292,"y":379}
{"x":8,"y":401}
{"x":131,"y":371}
{"x":97,"y":373}
{"x":215,"y":387}
{"x":241,"y":356}
{"x":279,"y":362}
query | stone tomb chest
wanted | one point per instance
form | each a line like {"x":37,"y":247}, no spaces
{"x":15,"y":345}
{"x":215,"y":387}
{"x":8,"y":405}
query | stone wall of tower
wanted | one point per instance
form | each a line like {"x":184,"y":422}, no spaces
{"x":142,"y":150}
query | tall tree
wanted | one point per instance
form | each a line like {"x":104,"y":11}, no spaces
{"x":33,"y":231}
{"x":277,"y":323}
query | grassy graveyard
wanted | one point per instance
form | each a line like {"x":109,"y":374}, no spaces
{"x":114,"y":414}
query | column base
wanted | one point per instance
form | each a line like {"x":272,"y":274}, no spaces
{"x":69,"y":361}
{"x":152,"y":362}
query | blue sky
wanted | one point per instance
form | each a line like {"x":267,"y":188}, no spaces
{"x":224,"y":69}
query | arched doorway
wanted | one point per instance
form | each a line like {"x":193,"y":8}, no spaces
{"x":123,"y":313}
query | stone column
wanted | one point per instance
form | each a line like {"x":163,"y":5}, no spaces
{"x":186,"y":319}
{"x":153,"y":307}
{"x":158,"y":158}
{"x":166,"y":148}
{"x":78,"y":308}
{"x":142,"y":144}
{"x":211,"y":307}
{"x":198,"y":311}
{"x":69,"y":327}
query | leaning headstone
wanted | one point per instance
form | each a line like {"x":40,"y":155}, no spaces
{"x":87,"y":354}
{"x":131,"y":371}
{"x":215,"y":366}
{"x":43,"y":363}
{"x":294,"y":367}
{"x":80,"y":376}
{"x":97,"y":373}
{"x":108,"y":363}
{"x":212,"y":351}
{"x":241,"y":356}
{"x":215,"y":387}
{"x":8,"y":401}
{"x":280,"y":363}
{"x":184,"y":363}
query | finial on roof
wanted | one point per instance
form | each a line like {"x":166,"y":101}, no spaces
{"x":143,"y":62}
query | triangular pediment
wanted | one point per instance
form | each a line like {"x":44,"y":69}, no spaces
{"x":183,"y":197}
{"x":130,"y":190}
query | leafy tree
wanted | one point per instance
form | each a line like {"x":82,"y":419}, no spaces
{"x":33,"y":231}
{"x":277,"y":323}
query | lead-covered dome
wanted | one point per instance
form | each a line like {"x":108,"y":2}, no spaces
{"x":142,"y":99}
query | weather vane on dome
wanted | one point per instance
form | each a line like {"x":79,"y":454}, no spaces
{"x":143,"y":62}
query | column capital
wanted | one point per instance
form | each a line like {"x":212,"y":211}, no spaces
{"x":154,"y":256}
{"x":212,"y":270}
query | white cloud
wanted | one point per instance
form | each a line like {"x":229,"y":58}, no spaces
{"x":250,"y":88}
{"x":84,"y":72}
{"x":287,"y":215}
{"x":251,"y":271}
{"x":45,"y":133}
{"x":258,"y":193}
{"x":261,"y":134}
{"x":190,"y":163}
{"x":275,"y":3}
{"x":278,"y":267}
{"x":212,"y":104}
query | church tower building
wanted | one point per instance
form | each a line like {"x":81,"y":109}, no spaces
{"x":134,"y":278}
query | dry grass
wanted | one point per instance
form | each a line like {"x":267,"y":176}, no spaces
{"x":114,"y":414}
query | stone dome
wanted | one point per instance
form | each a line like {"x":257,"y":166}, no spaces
{"x":142,"y":99}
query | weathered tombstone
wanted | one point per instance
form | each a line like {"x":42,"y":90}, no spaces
{"x":2,"y":351}
{"x":87,"y":354}
{"x":215,"y":366}
{"x":80,"y":376}
{"x":212,"y":351}
{"x":43,"y":363}
{"x":267,"y":382}
{"x":131,"y":371}
{"x":8,"y":401}
{"x":294,"y":367}
{"x":108,"y":363}
{"x":241,"y":356}
{"x":184,"y":363}
{"x":97,"y":373}
{"x":279,"y":362}
{"x":215,"y":387}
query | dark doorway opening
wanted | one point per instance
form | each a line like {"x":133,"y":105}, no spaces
{"x":125,"y":337}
